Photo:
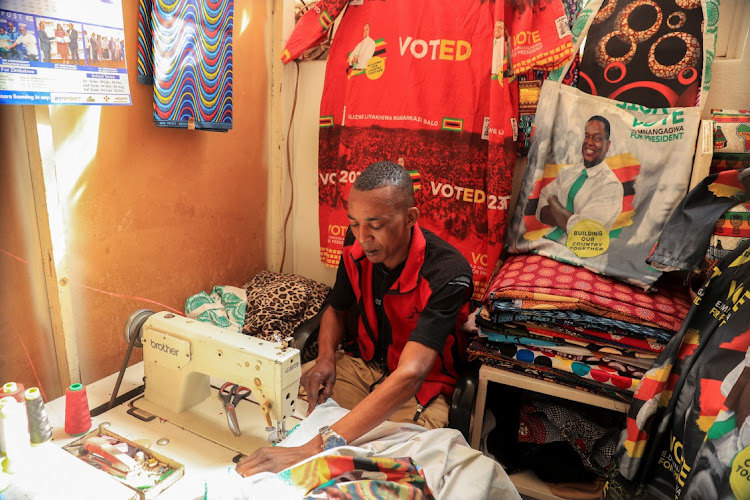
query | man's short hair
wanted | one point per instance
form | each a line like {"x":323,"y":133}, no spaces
{"x":599,"y":118}
{"x":388,"y":173}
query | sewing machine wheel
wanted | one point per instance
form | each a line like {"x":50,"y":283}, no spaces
{"x":133,"y":325}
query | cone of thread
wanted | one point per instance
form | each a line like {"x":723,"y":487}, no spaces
{"x":15,"y":435}
{"x":15,"y":391}
{"x":77,"y":415}
{"x":3,"y":401}
{"x":39,"y":427}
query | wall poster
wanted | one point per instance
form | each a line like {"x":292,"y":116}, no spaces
{"x":62,"y":52}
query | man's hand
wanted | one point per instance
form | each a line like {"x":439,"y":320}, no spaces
{"x":275,"y":458}
{"x":323,"y":373}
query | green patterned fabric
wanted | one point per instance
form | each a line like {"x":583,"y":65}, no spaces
{"x":225,"y":307}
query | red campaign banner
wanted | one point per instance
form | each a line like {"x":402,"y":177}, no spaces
{"x":427,"y":84}
{"x":411,"y":82}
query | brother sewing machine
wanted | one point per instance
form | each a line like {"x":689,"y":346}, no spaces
{"x":180,"y":354}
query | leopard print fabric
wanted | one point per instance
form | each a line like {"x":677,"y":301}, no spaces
{"x":278,"y":303}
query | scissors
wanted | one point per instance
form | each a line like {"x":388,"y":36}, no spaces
{"x":232,"y":394}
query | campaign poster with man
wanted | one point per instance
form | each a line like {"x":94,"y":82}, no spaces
{"x":601,"y":182}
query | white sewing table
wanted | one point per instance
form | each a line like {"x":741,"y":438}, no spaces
{"x":201,"y":457}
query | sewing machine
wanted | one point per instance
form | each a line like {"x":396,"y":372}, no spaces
{"x":180,"y":353}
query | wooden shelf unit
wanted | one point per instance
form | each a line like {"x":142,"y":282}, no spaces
{"x":526,"y":482}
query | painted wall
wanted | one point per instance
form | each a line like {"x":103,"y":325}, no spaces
{"x":27,"y":353}
{"x":157,"y":214}
{"x":304,"y":140}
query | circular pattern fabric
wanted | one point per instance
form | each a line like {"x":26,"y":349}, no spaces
{"x":676,"y":20}
{"x":605,"y":11}
{"x":688,"y":4}
{"x":547,"y":272}
{"x":603,"y":58}
{"x":669,"y":72}
{"x":622,"y":22}
{"x":615,"y":65}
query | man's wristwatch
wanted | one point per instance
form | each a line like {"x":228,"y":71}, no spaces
{"x":330,"y":438}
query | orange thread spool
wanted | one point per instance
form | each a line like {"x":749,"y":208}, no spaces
{"x":77,"y":414}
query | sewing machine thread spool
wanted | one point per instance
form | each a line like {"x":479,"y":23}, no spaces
{"x":14,"y":390}
{"x":15,"y":435}
{"x":77,"y":414}
{"x":39,"y":427}
{"x":3,"y":402}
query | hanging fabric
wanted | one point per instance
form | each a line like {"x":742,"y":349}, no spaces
{"x":415,"y":83}
{"x":649,"y":52}
{"x":603,"y":176}
{"x":674,"y":446}
{"x":185,"y":52}
{"x":700,"y":215}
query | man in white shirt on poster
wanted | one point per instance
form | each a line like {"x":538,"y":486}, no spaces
{"x":583,"y":192}
{"x":29,"y":43}
{"x":364,"y":50}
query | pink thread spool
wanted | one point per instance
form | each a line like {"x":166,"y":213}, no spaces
{"x":77,"y":414}
{"x":15,"y":390}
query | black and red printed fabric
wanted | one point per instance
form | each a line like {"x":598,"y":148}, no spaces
{"x":647,"y":52}
{"x":412,"y":82}
{"x":671,"y":422}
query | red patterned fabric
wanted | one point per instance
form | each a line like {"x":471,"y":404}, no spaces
{"x":635,"y":344}
{"x":552,"y":285}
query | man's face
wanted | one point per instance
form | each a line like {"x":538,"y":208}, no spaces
{"x":2,"y":31}
{"x":22,"y":29}
{"x":366,"y":31}
{"x":498,"y":29}
{"x":10,"y":26}
{"x":401,"y":161}
{"x":595,"y":144}
{"x":382,"y":229}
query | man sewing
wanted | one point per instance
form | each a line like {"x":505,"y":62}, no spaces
{"x":583,"y":192}
{"x":412,"y":291}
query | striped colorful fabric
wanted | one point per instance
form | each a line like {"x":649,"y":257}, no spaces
{"x":145,"y":47}
{"x":646,"y":346}
{"x":192,"y":62}
{"x":505,"y":312}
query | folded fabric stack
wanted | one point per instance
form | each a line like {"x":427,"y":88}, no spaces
{"x":570,"y":326}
